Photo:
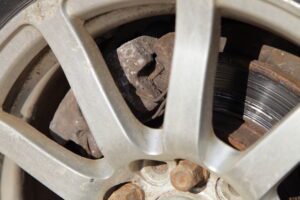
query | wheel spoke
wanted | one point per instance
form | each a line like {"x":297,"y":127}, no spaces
{"x":92,"y":8}
{"x":48,"y":162}
{"x":269,"y":161}
{"x":189,"y":105}
{"x":271,"y":195}
{"x":114,"y":127}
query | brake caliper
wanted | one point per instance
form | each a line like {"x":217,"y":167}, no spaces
{"x":146,"y":62}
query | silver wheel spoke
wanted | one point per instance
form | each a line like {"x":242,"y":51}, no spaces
{"x":48,"y":161}
{"x":188,"y":118}
{"x":92,"y":7}
{"x":270,"y":160}
{"x":271,"y":195}
{"x":114,"y":127}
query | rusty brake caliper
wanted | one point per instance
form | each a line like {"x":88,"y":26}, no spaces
{"x":136,"y":57}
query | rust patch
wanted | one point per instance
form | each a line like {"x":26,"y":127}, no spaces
{"x":128,"y":191}
{"x":246,"y":135}
{"x":285,"y":67}
{"x":187,"y":175}
{"x":274,"y":73}
{"x":146,"y":62}
{"x":285,"y":62}
{"x":164,"y":51}
{"x":69,"y":124}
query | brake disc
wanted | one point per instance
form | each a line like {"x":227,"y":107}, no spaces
{"x":254,"y":105}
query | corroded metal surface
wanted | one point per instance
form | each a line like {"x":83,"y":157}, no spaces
{"x":286,"y":62}
{"x":245,"y":135}
{"x":128,"y":191}
{"x":187,"y":175}
{"x":288,"y":80}
{"x":69,"y":125}
{"x":163,"y":48}
{"x":146,"y":62}
{"x":134,"y":56}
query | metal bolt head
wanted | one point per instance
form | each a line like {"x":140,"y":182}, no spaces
{"x":187,"y":175}
{"x":128,"y":191}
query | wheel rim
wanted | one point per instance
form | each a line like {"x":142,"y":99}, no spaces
{"x":120,"y":131}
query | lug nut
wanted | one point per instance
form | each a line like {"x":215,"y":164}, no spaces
{"x":187,"y":175}
{"x":128,"y":191}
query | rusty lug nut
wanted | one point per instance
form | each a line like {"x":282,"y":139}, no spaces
{"x":187,"y":175}
{"x":128,"y":191}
